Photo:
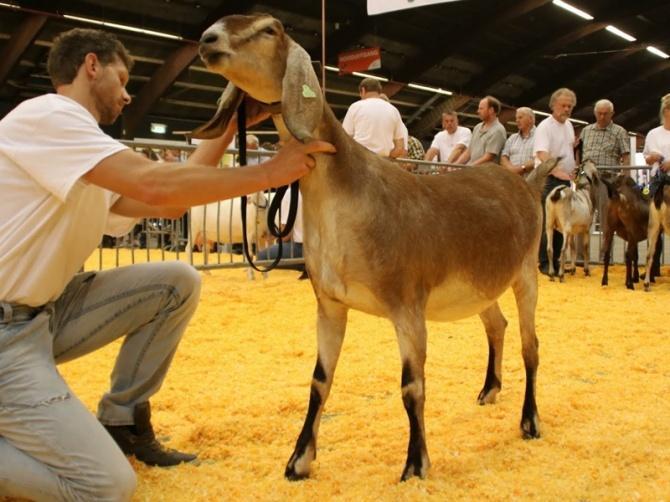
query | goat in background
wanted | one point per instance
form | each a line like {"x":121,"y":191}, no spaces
{"x":659,"y":220}
{"x":383,"y":241}
{"x":571,"y":213}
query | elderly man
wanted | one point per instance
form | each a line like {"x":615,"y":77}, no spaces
{"x":605,"y":143}
{"x":451,"y":141}
{"x":517,"y":154}
{"x":374,"y":122}
{"x":555,"y":137}
{"x":488,"y":137}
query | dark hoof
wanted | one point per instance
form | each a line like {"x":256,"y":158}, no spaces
{"x":630,"y":286}
{"x":530,"y":428}
{"x":410,"y":471}
{"x":647,"y":288}
{"x":561,"y":278}
{"x":488,"y":396}
{"x":291,"y":475}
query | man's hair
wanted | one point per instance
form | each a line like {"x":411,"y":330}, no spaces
{"x":70,"y":48}
{"x":603,"y":102}
{"x":493,"y":103}
{"x":526,"y":111}
{"x":563,"y":91}
{"x":451,"y":113}
{"x":665,"y":103}
{"x":370,"y":85}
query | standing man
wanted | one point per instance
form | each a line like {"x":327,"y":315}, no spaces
{"x":604,"y":143}
{"x":518,"y":155}
{"x":64,"y":183}
{"x":451,"y":141}
{"x":374,"y":122}
{"x":555,"y":137}
{"x":488,"y":137}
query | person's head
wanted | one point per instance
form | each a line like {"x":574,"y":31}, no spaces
{"x":102,"y":63}
{"x":664,"y":111}
{"x":561,"y":103}
{"x":369,"y":85}
{"x":171,"y":155}
{"x":603,"y":111}
{"x":450,"y":121}
{"x":488,"y":109}
{"x":525,"y":119}
{"x":252,"y":142}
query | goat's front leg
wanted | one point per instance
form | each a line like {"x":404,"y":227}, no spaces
{"x":636,"y":257}
{"x":331,"y":324}
{"x":494,"y":324}
{"x":411,"y":333}
{"x":567,"y":235}
{"x":607,"y":248}
{"x":653,"y":231}
{"x":629,"y":264}
{"x":525,"y":293}
{"x":549,"y":231}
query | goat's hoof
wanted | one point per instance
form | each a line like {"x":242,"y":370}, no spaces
{"x":552,"y":278}
{"x":630,"y":286}
{"x":603,"y":283}
{"x":488,"y":396}
{"x":574,"y":271}
{"x":587,"y":273}
{"x":412,"y":469}
{"x":297,"y":467}
{"x":561,"y":278}
{"x":291,"y":475}
{"x":530,"y":427}
{"x":647,"y":287}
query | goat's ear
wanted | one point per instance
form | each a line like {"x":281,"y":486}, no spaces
{"x":302,"y":101}
{"x":230,"y":99}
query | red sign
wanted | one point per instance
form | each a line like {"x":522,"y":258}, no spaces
{"x":359,"y":60}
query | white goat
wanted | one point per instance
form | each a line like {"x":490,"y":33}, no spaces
{"x":222,"y":221}
{"x":384,"y":241}
{"x":571,"y":213}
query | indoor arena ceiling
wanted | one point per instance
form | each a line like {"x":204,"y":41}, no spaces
{"x":517,"y":50}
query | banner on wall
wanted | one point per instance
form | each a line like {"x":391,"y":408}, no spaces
{"x":369,"y":58}
{"x":382,"y":6}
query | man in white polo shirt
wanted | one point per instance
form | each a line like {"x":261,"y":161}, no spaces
{"x":449,"y":143}
{"x":555,"y":137}
{"x":64,"y":183}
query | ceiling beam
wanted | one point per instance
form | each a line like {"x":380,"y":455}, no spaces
{"x":17,"y":45}
{"x":174,"y":65}
{"x":458,"y":42}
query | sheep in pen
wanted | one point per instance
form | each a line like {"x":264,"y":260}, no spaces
{"x":363,"y":217}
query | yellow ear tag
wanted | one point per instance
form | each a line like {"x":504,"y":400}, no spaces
{"x":307,"y":91}
{"x":645,"y":190}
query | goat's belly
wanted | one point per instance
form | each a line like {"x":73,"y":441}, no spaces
{"x":457,"y":300}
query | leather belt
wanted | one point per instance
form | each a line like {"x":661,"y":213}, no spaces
{"x":13,"y":312}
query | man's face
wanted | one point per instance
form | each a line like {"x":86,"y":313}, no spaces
{"x":523,"y":121}
{"x":562,"y":108}
{"x":449,"y":123}
{"x":603,"y":116}
{"x":484,"y":110}
{"x":109,"y":91}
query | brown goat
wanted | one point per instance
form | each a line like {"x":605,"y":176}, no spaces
{"x":386,"y":242}
{"x":628,"y":217}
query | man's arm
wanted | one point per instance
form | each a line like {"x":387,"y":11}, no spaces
{"x":398,"y":149}
{"x":455,"y":153}
{"x":431,"y":153}
{"x":175,"y":185}
{"x":463,"y":157}
{"x":487,"y":157}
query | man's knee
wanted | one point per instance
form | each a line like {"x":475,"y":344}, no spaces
{"x":117,"y":483}
{"x":186,"y":281}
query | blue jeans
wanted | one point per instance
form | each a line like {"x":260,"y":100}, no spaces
{"x":289,"y":250}
{"x":51,"y":446}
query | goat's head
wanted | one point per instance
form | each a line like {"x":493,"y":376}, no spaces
{"x":260,"y":60}
{"x":587,"y":175}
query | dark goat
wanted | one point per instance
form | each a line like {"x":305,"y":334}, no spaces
{"x":628,"y":216}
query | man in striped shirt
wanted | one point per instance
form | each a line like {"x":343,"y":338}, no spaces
{"x":517,"y":155}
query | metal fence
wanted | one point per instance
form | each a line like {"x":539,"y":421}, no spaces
{"x":220,"y":243}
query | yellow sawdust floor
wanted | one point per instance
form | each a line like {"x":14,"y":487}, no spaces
{"x":238,"y":390}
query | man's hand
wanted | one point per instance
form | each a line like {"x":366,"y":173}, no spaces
{"x":294,"y":160}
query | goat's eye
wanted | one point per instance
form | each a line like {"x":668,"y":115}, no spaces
{"x":269,"y":31}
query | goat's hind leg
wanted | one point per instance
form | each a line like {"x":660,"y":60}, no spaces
{"x":411,"y":334}
{"x":494,"y":324}
{"x":525,"y":293}
{"x":331,"y":325}
{"x":586,"y":251}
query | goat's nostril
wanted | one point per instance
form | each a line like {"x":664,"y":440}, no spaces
{"x":209,"y":38}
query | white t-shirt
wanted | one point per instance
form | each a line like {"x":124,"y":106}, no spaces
{"x":558,"y":140}
{"x":50,"y":219}
{"x":446,"y":142}
{"x":657,"y":141}
{"x":374,"y":123}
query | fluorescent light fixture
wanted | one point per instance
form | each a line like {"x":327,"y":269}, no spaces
{"x":436,"y":90}
{"x":577,"y":121}
{"x":158,"y":128}
{"x":574,"y":10}
{"x":619,"y":33}
{"x":544,"y":114}
{"x":124,"y":27}
{"x":10,"y":5}
{"x":367,"y":75}
{"x":657,"y":52}
{"x":332,"y":68}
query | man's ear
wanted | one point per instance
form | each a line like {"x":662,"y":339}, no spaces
{"x":91,"y":64}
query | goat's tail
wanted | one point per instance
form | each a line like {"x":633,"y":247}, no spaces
{"x":538,"y":176}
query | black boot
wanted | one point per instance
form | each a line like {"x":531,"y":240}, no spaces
{"x":140,"y":440}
